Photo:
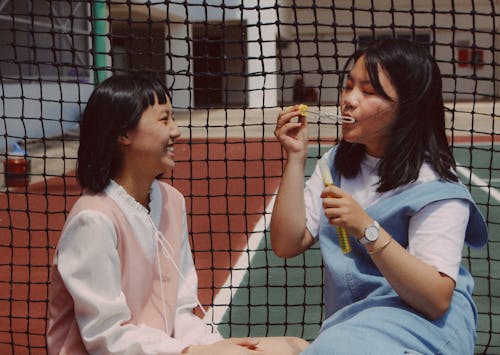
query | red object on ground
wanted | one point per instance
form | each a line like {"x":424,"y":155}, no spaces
{"x":17,"y":170}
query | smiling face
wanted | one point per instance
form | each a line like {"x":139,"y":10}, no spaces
{"x":374,"y":114}
{"x":148,"y":148}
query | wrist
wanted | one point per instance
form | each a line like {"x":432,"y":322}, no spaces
{"x":371,"y":233}
{"x":378,"y":245}
{"x":297,"y":154}
{"x":297,"y":158}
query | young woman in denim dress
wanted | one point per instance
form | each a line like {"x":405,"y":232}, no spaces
{"x":402,"y":288}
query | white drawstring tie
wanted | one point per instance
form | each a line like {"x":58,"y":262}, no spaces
{"x":169,"y":252}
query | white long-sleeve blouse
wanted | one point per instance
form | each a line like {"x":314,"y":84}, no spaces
{"x":89,"y":264}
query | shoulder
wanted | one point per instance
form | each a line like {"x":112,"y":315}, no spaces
{"x":88,"y":225}
{"x":100,"y":206}
{"x":169,"y":193}
{"x":331,"y":152}
{"x":89,"y":218}
{"x":169,"y":189}
{"x":427,"y":173}
{"x":93,"y":202}
{"x":457,"y":194}
{"x":329,"y":155}
{"x":421,"y":192}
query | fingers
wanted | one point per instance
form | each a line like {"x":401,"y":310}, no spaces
{"x":246,"y":342}
{"x":282,"y":345}
{"x":332,"y":191}
{"x":284,"y":124}
{"x":342,"y":210}
{"x":335,"y":216}
{"x":336,"y":205}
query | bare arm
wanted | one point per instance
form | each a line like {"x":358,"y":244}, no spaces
{"x":416,"y":282}
{"x":256,"y":346}
{"x":289,"y":236}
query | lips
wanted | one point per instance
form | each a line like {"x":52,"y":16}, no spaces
{"x":170,"y":151}
{"x":348,"y":115}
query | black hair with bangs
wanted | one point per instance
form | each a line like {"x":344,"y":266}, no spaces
{"x":115,"y":106}
{"x":418,"y":133}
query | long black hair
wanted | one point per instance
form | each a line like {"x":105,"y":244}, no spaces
{"x":115,"y":106}
{"x":418,"y":133}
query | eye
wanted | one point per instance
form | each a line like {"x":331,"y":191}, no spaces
{"x":347,"y":87}
{"x":368,"y":90}
{"x":167,"y":118}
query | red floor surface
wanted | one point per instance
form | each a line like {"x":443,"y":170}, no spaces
{"x":227,"y":185}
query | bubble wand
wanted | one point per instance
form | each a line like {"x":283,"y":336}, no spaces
{"x":341,"y":232}
{"x":304,"y":110}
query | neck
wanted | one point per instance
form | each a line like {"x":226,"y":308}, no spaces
{"x":376,"y":151}
{"x":138,"y":189}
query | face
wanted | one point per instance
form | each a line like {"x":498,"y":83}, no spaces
{"x":149,"y":147}
{"x":373,"y":113}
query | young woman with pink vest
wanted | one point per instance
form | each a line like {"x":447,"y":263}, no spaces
{"x":123,"y":278}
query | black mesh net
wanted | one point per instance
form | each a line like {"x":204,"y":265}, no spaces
{"x":231,"y":66}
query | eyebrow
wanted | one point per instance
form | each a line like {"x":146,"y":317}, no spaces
{"x":164,"y":113}
{"x":362,"y":82}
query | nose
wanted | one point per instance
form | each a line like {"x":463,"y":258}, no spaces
{"x":175,"y":132}
{"x":350,"y":99}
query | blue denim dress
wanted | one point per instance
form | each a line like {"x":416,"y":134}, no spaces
{"x":364,"y":315}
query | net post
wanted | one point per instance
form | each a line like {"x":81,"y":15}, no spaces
{"x":99,"y":40}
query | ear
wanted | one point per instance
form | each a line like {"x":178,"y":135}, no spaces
{"x":123,"y":139}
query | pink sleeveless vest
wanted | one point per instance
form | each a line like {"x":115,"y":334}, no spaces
{"x":140,"y":279}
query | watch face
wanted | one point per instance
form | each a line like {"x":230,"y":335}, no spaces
{"x":371,"y":233}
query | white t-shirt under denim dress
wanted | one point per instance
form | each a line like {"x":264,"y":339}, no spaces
{"x":363,"y":314}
